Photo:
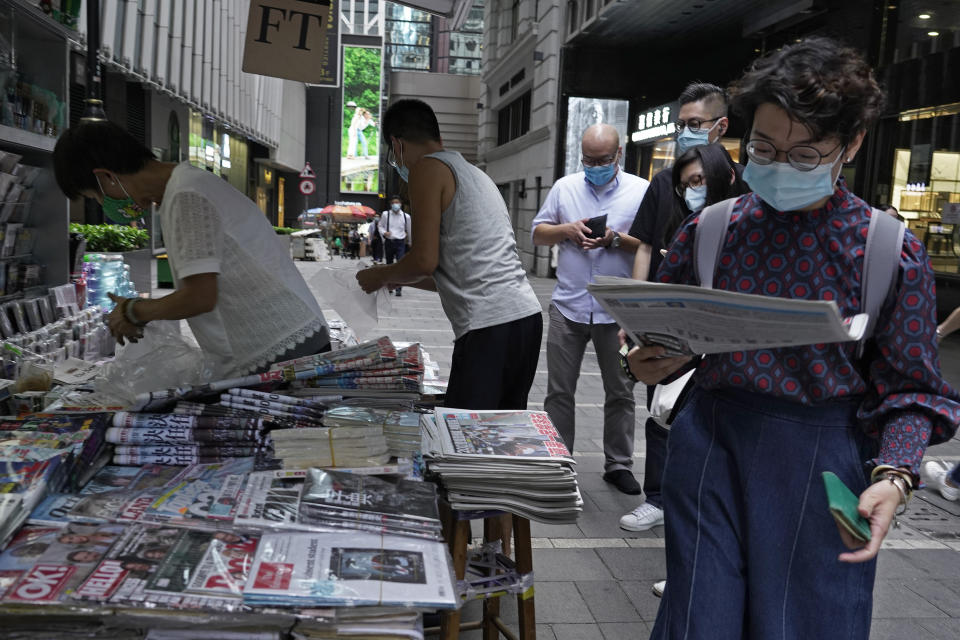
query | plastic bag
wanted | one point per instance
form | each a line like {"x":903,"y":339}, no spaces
{"x":361,"y":311}
{"x":163,"y":358}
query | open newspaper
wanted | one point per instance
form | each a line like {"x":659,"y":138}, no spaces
{"x":690,"y":320}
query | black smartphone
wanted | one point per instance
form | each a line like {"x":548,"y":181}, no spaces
{"x":598,"y":226}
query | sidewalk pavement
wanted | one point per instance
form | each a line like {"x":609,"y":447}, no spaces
{"x":593,"y":579}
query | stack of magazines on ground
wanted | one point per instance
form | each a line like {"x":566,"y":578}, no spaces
{"x":512,"y":461}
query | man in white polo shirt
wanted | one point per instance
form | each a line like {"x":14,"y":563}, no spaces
{"x":395,"y":229}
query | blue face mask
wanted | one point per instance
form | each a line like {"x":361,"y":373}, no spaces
{"x":401,"y":168}
{"x":695,"y":197}
{"x":601,"y":175}
{"x":787,"y":189}
{"x":688,"y":139}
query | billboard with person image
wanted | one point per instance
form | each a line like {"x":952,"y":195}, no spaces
{"x":360,"y":133}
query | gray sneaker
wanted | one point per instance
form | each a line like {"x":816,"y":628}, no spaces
{"x":644,"y":517}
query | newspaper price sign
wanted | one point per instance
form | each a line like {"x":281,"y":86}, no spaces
{"x":285,"y":37}
{"x":307,"y":187}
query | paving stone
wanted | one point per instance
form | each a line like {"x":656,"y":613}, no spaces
{"x":635,"y":564}
{"x":907,"y":564}
{"x":560,"y":603}
{"x":545,"y":632}
{"x":588,"y":543}
{"x":641,"y":596}
{"x":607,"y":601}
{"x":624,"y":630}
{"x":542,"y":530}
{"x":882,"y":629}
{"x":609,"y":526}
{"x":577,"y":632}
{"x":942,"y":594}
{"x":569,"y":564}
{"x":891,"y":599}
{"x":942,"y":629}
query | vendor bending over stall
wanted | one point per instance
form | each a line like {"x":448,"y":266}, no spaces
{"x":245,"y":300}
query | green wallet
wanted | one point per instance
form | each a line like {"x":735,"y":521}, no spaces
{"x":843,"y":505}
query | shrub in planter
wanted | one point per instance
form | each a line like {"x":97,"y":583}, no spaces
{"x":112,"y":238}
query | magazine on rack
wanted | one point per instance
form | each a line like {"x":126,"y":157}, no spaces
{"x":330,"y":569}
{"x":690,"y":320}
{"x":202,"y":494}
{"x":71,"y":554}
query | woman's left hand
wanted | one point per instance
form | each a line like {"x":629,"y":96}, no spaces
{"x":371,"y":279}
{"x":878,"y":503}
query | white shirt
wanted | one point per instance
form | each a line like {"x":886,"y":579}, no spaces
{"x":573,"y":198}
{"x":397,"y":223}
{"x":264,"y":307}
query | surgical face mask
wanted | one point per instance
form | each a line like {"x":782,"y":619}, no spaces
{"x":395,"y":206}
{"x":401,"y":169}
{"x":688,"y":139}
{"x":120,"y":210}
{"x":601,"y":175}
{"x":787,"y":189}
{"x":695,"y":197}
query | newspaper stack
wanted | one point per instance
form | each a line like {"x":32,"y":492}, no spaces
{"x":274,"y":406}
{"x":377,"y":368}
{"x":512,"y":461}
{"x":383,"y":623}
{"x":350,"y":569}
{"x":330,"y":447}
{"x":173,"y":439}
{"x":400,"y":428}
{"x":352,"y":501}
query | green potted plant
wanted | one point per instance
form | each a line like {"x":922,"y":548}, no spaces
{"x":132,"y":244}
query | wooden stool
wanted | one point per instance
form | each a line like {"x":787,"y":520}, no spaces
{"x":457,"y":533}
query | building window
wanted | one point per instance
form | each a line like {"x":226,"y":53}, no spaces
{"x":408,"y":38}
{"x":513,"y":120}
{"x":514,"y":20}
{"x":587,"y":10}
{"x":572,"y":22}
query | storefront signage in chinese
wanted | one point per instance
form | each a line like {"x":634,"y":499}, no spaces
{"x":655,"y":123}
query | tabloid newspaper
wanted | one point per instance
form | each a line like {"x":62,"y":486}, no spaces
{"x":71,"y":554}
{"x":499,"y":434}
{"x":328,"y":569}
{"x":201,"y":494}
{"x":271,"y":500}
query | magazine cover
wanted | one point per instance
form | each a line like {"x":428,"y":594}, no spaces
{"x":111,"y":478}
{"x":315,"y":569}
{"x":407,"y":499}
{"x":201,"y":492}
{"x":507,"y":434}
{"x":271,"y":500}
{"x":22,"y":553}
{"x":225,"y":566}
{"x":72,"y":553}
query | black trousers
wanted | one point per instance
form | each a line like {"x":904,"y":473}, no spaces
{"x":494,"y":367}
{"x":393,"y":250}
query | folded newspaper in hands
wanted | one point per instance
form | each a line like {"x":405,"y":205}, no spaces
{"x":689,"y":320}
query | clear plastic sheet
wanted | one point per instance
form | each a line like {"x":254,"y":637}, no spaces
{"x":361,"y":311}
{"x":163,"y":358}
{"x":490,"y":574}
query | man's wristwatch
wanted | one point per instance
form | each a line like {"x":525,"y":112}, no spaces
{"x":615,"y":243}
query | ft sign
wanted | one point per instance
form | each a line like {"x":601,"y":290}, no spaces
{"x":285,"y":38}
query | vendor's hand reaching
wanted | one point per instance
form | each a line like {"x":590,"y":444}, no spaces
{"x":372,"y":279}
{"x":120,"y":327}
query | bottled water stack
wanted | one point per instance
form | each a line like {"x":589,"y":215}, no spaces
{"x":106,"y":274}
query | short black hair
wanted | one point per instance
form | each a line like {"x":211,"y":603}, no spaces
{"x":710,"y":93}
{"x":821,"y":84}
{"x":412,"y":120}
{"x":717,"y":165}
{"x":95,"y":145}
{"x":392,"y":198}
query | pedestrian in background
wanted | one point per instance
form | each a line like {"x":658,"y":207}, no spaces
{"x":395,"y":228}
{"x":576,"y":318}
{"x":752,"y":550}
{"x":702,"y":119}
{"x":375,"y":240}
{"x":466,"y":251}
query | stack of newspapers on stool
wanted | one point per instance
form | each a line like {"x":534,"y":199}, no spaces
{"x":512,"y":461}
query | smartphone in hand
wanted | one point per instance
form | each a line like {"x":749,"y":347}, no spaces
{"x":843,"y":505}
{"x":597,"y":226}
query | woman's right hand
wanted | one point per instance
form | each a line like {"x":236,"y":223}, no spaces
{"x":649,"y":365}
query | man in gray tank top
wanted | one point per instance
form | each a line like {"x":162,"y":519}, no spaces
{"x":465,"y":250}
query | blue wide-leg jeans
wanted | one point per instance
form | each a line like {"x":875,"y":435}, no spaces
{"x":751,"y":546}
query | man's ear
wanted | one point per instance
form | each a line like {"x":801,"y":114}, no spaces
{"x":723,"y":125}
{"x":733,"y":176}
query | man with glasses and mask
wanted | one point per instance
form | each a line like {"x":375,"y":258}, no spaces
{"x":702,"y":119}
{"x":611,"y":197}
{"x":466,"y":251}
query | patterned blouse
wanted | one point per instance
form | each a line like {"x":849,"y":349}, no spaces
{"x":819,"y":255}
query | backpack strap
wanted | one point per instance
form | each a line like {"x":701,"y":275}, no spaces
{"x":881,"y":264}
{"x":709,"y":240}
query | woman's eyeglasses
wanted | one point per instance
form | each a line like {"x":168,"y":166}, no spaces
{"x":801,"y":157}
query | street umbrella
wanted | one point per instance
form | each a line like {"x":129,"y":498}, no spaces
{"x":348,"y":212}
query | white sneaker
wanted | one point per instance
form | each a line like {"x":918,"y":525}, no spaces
{"x":935,"y":474}
{"x":644,"y":517}
{"x":658,"y":588}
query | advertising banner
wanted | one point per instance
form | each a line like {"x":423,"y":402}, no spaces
{"x":360,"y":130}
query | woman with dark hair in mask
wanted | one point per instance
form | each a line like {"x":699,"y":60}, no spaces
{"x":752,"y":549}
{"x":702,"y":176}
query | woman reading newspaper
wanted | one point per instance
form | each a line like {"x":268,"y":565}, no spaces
{"x":752,"y":549}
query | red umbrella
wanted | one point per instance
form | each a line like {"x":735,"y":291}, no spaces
{"x":348,"y":212}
